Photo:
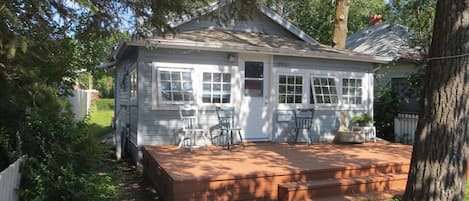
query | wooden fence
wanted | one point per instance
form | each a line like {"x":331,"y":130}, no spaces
{"x":10,"y":181}
{"x":405,"y":125}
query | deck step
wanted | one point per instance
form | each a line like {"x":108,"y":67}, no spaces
{"x":313,"y":190}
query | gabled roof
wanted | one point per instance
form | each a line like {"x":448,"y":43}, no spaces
{"x":232,"y":41}
{"x":264,"y":10}
{"x":388,"y":40}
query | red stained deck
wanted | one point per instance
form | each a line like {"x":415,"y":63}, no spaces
{"x":258,"y":171}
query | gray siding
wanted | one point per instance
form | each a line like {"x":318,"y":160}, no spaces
{"x":258,"y":22}
{"x":385,"y":73}
{"x":162,"y":126}
{"x":326,"y":121}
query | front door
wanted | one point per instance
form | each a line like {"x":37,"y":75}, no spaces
{"x":253,"y":112}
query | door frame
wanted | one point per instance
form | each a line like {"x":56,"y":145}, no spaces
{"x":267,"y":89}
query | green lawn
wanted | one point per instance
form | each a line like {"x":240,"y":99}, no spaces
{"x":100,"y":117}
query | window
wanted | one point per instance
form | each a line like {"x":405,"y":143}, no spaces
{"x":175,"y":87}
{"x":216,"y":88}
{"x":254,"y":79}
{"x":290,"y":89}
{"x":352,"y":91}
{"x":324,"y":90}
{"x":133,"y":84}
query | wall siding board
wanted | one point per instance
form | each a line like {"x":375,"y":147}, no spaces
{"x":257,"y":23}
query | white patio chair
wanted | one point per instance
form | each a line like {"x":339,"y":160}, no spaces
{"x":191,"y":128}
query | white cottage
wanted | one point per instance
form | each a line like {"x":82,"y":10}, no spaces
{"x":260,"y":67}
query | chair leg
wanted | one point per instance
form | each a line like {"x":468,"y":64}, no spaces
{"x":241,"y":138}
{"x":190,"y":143}
{"x":296,"y":136}
{"x":310,"y":140}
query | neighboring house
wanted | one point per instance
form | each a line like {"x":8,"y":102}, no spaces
{"x":260,"y":66}
{"x":392,"y":41}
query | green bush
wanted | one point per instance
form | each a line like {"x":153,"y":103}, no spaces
{"x":62,"y":161}
{"x":386,"y":108}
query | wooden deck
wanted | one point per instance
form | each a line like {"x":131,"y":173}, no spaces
{"x":277,"y":171}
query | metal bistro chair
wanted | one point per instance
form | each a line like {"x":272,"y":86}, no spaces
{"x":226,"y":121}
{"x":191,"y":127}
{"x":303,"y":121}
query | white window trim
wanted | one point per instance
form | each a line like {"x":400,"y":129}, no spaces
{"x":159,"y":92}
{"x":133,"y":96}
{"x":277,"y":85}
{"x":314,"y":93}
{"x":199,"y":97}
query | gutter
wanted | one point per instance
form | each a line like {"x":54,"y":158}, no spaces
{"x":113,"y":62}
{"x":264,"y":50}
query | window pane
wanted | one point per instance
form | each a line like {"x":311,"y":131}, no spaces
{"x":345,"y":91}
{"x":297,"y":99}
{"x":186,"y":76}
{"x":226,"y":98}
{"x":291,"y":80}
{"x":176,"y":86}
{"x":282,"y":79}
{"x":281,"y":98}
{"x":166,"y":95}
{"x":358,"y":100}
{"x":227,"y":87}
{"x":324,"y":81}
{"x":317,"y":90}
{"x":299,"y":80}
{"x":290,"y":99}
{"x":298,"y":89}
{"x":253,"y":88}
{"x":333,"y":90}
{"x":227,"y":78}
{"x":317,"y":82}
{"x":207,"y":77}
{"x":177,"y":96}
{"x":254,"y":69}
{"x":188,"y":96}
{"x":359,"y":83}
{"x":175,"y":76}
{"x":319,"y":99}
{"x":207,"y":87}
{"x":187,"y":86}
{"x":164,"y":75}
{"x":345,"y":82}
{"x":165,"y":85}
{"x":216,"y":77}
{"x":282,"y":89}
{"x":206,"y":99}
{"x":216,"y":87}
{"x":290,"y":89}
{"x":331,"y":82}
{"x":334,"y":99}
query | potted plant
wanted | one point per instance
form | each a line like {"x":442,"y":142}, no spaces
{"x":362,"y":120}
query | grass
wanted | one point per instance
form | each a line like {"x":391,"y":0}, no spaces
{"x":100,"y":117}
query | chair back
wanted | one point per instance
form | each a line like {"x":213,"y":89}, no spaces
{"x":226,"y":117}
{"x":304,"y":118}
{"x":188,"y":115}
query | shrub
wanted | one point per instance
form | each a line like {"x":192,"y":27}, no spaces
{"x":362,"y":119}
{"x":62,"y":161}
{"x":386,"y":107}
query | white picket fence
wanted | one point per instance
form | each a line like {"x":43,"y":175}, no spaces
{"x":81,"y":102}
{"x":405,"y":125}
{"x":10,"y":181}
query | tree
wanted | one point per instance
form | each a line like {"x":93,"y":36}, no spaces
{"x":439,"y":157}
{"x":340,"y":23}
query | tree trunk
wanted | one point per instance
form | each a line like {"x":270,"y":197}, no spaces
{"x":439,"y":157}
{"x":340,"y":23}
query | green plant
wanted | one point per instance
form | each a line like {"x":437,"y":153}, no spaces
{"x":362,"y":119}
{"x":386,"y":107}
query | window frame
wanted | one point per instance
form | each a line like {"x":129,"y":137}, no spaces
{"x":354,"y":95}
{"x":159,"y":91}
{"x":133,"y":88}
{"x":200,"y":97}
{"x":313,"y":94}
{"x":278,"y":93}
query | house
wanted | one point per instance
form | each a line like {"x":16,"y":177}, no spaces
{"x":260,"y":67}
{"x":394,"y":42}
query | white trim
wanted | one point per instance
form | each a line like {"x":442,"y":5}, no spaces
{"x":179,"y":70}
{"x":248,"y":49}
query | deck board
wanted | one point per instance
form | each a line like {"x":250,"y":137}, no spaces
{"x":255,"y":171}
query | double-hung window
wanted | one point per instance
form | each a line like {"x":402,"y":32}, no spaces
{"x":352,"y":91}
{"x":290,"y":89}
{"x":216,"y":87}
{"x":175,"y":87}
{"x":324,"y":90}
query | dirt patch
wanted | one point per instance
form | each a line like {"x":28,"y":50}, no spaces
{"x":130,"y":182}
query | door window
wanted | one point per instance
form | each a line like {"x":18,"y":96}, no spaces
{"x":254,"y":79}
